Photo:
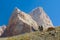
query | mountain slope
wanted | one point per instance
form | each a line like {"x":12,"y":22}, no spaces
{"x":42,"y":19}
{"x":19,"y":23}
{"x":36,"y":36}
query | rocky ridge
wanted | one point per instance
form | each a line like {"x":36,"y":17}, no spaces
{"x":21,"y":22}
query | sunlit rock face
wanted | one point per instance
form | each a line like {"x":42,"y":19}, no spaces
{"x":41,"y":18}
{"x":2,"y":29}
{"x":19,"y":23}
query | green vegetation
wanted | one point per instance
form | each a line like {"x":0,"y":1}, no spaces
{"x":37,"y":36}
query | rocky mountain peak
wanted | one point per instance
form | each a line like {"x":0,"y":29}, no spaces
{"x":37,"y":10}
{"x":17,"y":10}
{"x":21,"y":22}
{"x":41,"y":17}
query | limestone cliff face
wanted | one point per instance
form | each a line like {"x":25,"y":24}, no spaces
{"x":41,"y":18}
{"x":20,"y":22}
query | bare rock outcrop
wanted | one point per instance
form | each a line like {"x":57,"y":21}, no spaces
{"x":19,"y":23}
{"x":2,"y":29}
{"x":41,"y":18}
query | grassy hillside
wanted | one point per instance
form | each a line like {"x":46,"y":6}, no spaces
{"x":37,"y":36}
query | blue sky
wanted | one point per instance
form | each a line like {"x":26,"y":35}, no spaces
{"x":51,"y":7}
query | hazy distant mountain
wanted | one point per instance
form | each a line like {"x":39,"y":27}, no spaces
{"x":39,"y":15}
